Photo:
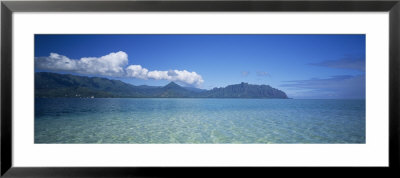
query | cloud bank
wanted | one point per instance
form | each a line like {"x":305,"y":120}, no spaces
{"x":113,"y":65}
{"x":345,"y":63}
{"x":341,"y":86}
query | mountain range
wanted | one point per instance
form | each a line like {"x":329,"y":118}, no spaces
{"x":50,"y":85}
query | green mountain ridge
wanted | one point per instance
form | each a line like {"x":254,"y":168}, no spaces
{"x":52,"y":85}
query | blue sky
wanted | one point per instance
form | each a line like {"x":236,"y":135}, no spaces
{"x":304,"y":66}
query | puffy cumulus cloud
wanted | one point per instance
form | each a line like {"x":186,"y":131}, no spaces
{"x":191,"y":78}
{"x":114,"y":65}
{"x":108,"y":65}
{"x":137,"y":71}
{"x":183,"y":76}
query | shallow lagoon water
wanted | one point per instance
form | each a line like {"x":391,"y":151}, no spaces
{"x":195,"y":120}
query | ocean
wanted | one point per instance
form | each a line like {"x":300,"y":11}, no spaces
{"x":198,"y":121}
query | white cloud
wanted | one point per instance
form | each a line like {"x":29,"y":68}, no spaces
{"x":191,"y":78}
{"x":108,"y":65}
{"x":137,"y":71}
{"x":158,"y":75}
{"x":184,"y":76}
{"x":113,"y":65}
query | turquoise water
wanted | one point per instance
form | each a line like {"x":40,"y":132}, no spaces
{"x":171,"y":120}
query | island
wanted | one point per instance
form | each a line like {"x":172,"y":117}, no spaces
{"x":54,"y":85}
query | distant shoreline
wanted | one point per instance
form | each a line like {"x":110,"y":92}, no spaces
{"x":54,"y":85}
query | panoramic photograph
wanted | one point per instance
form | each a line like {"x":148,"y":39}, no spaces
{"x":199,"y":89}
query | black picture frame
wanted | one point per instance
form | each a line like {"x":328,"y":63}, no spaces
{"x":8,"y":7}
